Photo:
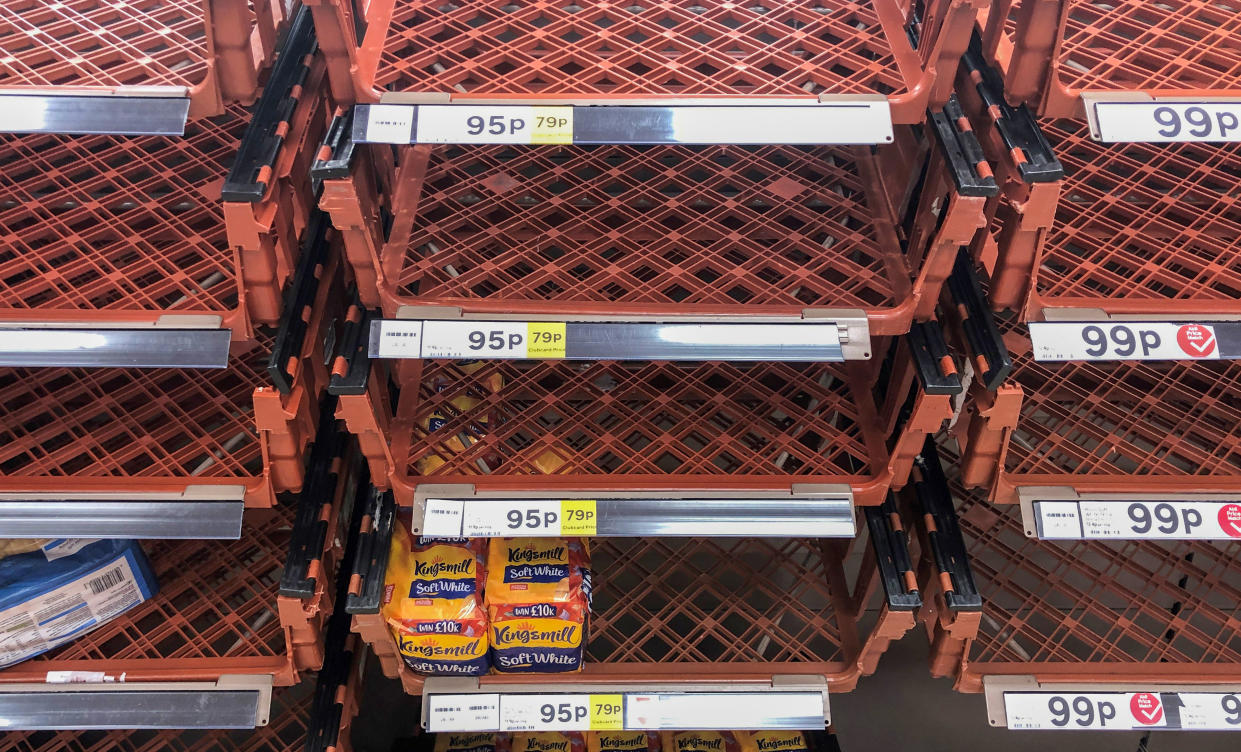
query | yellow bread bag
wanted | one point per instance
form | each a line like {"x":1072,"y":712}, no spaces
{"x":773,"y":741}
{"x":623,"y":741}
{"x":700,"y":741}
{"x":537,"y":604}
{"x":433,"y":603}
{"x":548,"y":741}
{"x":483,"y":741}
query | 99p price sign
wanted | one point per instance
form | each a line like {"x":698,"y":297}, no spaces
{"x":1167,"y":122}
{"x":1122,"y":711}
{"x":1134,"y":340}
{"x":1138,"y":520}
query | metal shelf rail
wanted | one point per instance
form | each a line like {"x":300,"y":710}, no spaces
{"x":84,"y":66}
{"x":284,"y":732}
{"x":851,"y":239}
{"x":756,"y":614}
{"x":121,"y":250}
{"x":801,"y":53}
{"x":1061,"y":56}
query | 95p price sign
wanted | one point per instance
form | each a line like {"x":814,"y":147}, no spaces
{"x":1135,"y":340}
{"x":1122,"y":711}
{"x":1138,"y":520}
{"x":562,"y":712}
{"x":499,"y":340}
{"x":468,"y":124}
{"x":516,"y":518}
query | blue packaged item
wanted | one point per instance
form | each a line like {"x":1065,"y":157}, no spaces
{"x":64,"y":590}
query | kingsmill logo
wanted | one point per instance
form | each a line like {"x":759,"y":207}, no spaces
{"x":425,"y":648}
{"x":534,"y":744}
{"x":439,"y":566}
{"x":698,"y":742}
{"x":525,"y":633}
{"x":791,"y":742}
{"x":634,"y":741}
{"x":530,"y":555}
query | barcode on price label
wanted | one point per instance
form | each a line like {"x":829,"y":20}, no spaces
{"x":1122,"y":711}
{"x":1138,"y":519}
{"x":1166,"y":122}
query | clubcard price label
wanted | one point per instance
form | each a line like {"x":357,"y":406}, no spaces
{"x":1123,"y":711}
{"x":1134,"y":520}
{"x":1167,"y":122}
{"x":495,"y":518}
{"x":1129,"y":340}
{"x":562,"y":712}
{"x":504,"y":124}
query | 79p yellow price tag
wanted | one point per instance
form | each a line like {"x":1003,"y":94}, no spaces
{"x":552,"y":125}
{"x":607,"y":712}
{"x":579,"y":517}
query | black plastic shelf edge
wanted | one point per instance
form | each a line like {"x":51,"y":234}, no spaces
{"x":892,"y":557}
{"x":336,"y":153}
{"x":946,"y":542}
{"x":352,"y":351}
{"x":962,"y":151}
{"x":1017,"y":125}
{"x":978,"y":323}
{"x":318,"y":490}
{"x":932,"y":357}
{"x":263,"y":138}
{"x":298,"y":298}
{"x":370,"y":563}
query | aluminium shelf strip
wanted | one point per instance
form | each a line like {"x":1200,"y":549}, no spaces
{"x":135,"y":68}
{"x":1132,"y":71}
{"x":285,"y":732}
{"x":669,"y":252}
{"x":1101,"y":635}
{"x":734,"y":72}
{"x":764,"y":627}
{"x":121,"y":251}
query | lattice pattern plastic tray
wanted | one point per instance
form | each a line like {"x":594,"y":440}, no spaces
{"x":658,"y":231}
{"x":135,"y":430}
{"x":1180,"y":47}
{"x":665,"y":48}
{"x":1095,"y":611}
{"x":87,"y":44}
{"x":1142,"y":227}
{"x":653,"y":419}
{"x":1123,"y":426}
{"x":215,"y":614}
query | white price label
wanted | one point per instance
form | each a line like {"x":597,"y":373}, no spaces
{"x":468,"y":712}
{"x":527,"y":518}
{"x":860,"y":122}
{"x":1211,"y":711}
{"x":502,"y":124}
{"x":1129,"y":340}
{"x":390,"y":124}
{"x":1167,"y":122}
{"x":1075,"y":711}
{"x":442,"y":518}
{"x":545,"y":713}
{"x":1132,"y":520}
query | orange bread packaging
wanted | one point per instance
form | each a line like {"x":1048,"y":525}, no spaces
{"x":483,"y":741}
{"x":433,"y":602}
{"x":623,"y":741}
{"x":538,"y":598}
{"x":773,"y":741}
{"x":701,"y":741}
